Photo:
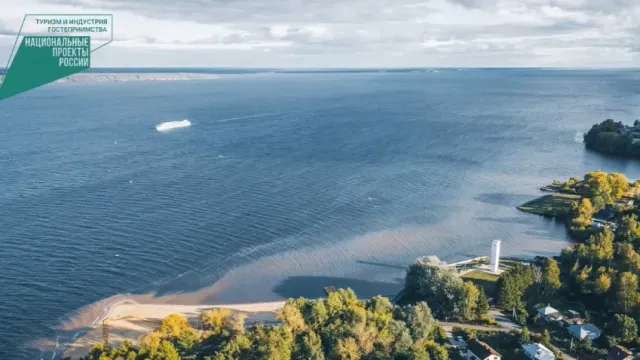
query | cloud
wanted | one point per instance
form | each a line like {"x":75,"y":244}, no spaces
{"x":429,"y":32}
{"x":6,"y":30}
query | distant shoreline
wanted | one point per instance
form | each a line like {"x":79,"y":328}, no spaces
{"x":119,"y":77}
{"x":123,"y":77}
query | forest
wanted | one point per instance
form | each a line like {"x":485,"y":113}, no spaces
{"x":338,"y":327}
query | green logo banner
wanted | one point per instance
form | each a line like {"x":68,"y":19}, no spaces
{"x":53,"y":46}
{"x":43,"y":59}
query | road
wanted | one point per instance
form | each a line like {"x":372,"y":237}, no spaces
{"x":450,"y":325}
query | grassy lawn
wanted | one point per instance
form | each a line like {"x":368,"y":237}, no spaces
{"x":550,"y":205}
{"x":506,"y":263}
{"x":482,"y":279}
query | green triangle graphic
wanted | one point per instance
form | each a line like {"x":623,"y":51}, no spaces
{"x":36,"y":63}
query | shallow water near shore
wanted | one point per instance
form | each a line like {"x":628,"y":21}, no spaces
{"x":283,"y":184}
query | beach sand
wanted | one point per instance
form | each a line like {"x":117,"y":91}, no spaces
{"x":129,"y":320}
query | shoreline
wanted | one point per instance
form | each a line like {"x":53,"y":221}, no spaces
{"x":128,"y":320}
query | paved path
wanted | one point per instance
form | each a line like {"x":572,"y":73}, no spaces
{"x":503,"y":320}
{"x":450,"y":325}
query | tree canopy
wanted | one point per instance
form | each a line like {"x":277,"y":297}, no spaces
{"x":336,"y":328}
{"x":612,"y":138}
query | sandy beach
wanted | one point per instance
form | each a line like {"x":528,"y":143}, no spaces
{"x":128,"y":320}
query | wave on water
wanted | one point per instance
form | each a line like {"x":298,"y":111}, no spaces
{"x":579,"y":137}
{"x":170,"y":125}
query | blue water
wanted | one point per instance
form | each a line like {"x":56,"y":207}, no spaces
{"x":283,"y":184}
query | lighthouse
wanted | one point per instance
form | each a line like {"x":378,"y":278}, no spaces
{"x":495,"y":255}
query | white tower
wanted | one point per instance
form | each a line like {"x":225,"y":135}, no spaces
{"x":495,"y":255}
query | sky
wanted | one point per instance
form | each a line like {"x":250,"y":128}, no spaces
{"x":354,"y":33}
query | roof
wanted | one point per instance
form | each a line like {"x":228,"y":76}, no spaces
{"x":607,"y":213}
{"x":541,"y":351}
{"x":329,"y":289}
{"x":481,"y":349}
{"x":618,"y":353}
{"x":584,"y":330}
{"x":574,"y":321}
{"x":548,"y":310}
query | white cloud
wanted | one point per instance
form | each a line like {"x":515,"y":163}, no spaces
{"x":346,"y":33}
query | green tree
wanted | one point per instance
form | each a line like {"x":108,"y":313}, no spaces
{"x":213,"y":320}
{"x":420,"y":321}
{"x":551,"y":274}
{"x":597,"y":184}
{"x":600,"y":246}
{"x":619,"y":184}
{"x":173,"y":325}
{"x":627,"y":292}
{"x":379,"y":312}
{"x":628,"y":229}
{"x":598,"y":202}
{"x":546,"y":338}
{"x":270,"y":343}
{"x":624,"y":328}
{"x":482,"y":305}
{"x":583,"y":213}
{"x":237,"y":347}
{"x":235,"y":323}
{"x":602,"y":283}
{"x":418,"y":353}
{"x":154,"y":347}
{"x":587,"y":344}
{"x":628,"y":258}
{"x":308,"y":346}
{"x":436,"y":284}
{"x":186,"y":343}
{"x":291,"y":316}
{"x":348,"y":349}
{"x":436,"y":352}
{"x":469,"y":301}
{"x":315,"y":313}
{"x":401,"y":337}
{"x":512,"y":285}
{"x":525,"y":336}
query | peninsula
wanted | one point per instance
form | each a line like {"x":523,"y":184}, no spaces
{"x":614,"y":138}
{"x":589,"y":204}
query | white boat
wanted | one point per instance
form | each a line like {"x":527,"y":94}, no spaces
{"x":169,"y":125}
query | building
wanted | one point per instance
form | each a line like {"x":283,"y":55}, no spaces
{"x":570,"y":321}
{"x":572,"y":314}
{"x":623,"y":202}
{"x":605,"y":215}
{"x":495,"y":256}
{"x":478,"y":350}
{"x":537,"y":351}
{"x":583,"y":331}
{"x":329,"y":289}
{"x":619,"y":353}
{"x":548,"y":313}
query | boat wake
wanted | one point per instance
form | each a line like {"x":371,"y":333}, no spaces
{"x":170,"y":125}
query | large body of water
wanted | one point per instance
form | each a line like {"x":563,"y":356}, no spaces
{"x":283,"y":184}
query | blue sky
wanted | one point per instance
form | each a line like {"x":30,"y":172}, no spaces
{"x":354,"y":33}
